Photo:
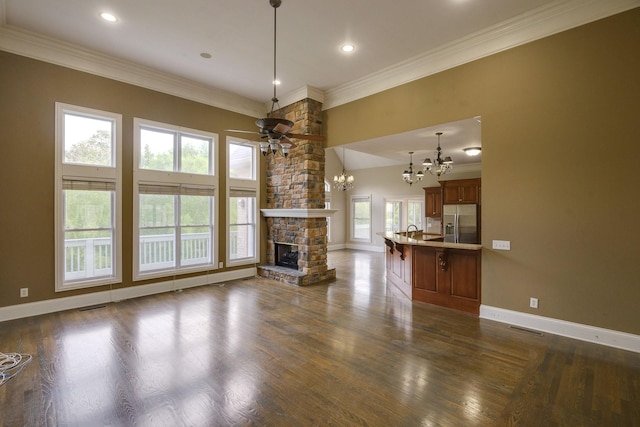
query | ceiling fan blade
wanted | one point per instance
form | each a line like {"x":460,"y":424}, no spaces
{"x":307,"y":137}
{"x":281,"y":128}
{"x":242,"y":131}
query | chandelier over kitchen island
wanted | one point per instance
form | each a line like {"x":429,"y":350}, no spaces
{"x":440,"y":166}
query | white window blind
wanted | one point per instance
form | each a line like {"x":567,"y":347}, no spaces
{"x":241,"y":193}
{"x":74,"y":184}
{"x":176,"y":190}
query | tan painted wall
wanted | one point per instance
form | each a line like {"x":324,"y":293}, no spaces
{"x":560,"y":179}
{"x":28,"y":92}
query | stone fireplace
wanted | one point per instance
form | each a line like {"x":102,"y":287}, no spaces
{"x":295,"y":211}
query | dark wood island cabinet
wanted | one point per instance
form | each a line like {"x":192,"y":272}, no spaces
{"x":447,"y":277}
{"x":445,"y":274}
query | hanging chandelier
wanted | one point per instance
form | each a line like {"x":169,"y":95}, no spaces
{"x":343,"y":182}
{"x":408,"y":175}
{"x":440,"y":166}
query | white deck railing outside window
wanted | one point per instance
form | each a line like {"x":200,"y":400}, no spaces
{"x":86,"y":258}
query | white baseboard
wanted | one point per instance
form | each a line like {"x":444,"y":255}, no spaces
{"x":336,"y":247}
{"x":369,"y":248}
{"x":69,"y":303}
{"x":577,"y":331}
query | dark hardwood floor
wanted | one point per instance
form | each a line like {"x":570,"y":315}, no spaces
{"x":256,"y":352}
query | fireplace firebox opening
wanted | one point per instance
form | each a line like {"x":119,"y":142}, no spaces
{"x":286,"y":255}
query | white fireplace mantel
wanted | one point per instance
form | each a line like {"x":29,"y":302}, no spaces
{"x":297,"y":213}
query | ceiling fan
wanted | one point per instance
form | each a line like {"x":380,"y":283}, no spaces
{"x":274,"y":131}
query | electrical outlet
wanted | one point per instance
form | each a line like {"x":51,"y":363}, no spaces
{"x":533,"y":302}
{"x":24,"y":292}
{"x":220,"y":264}
{"x":502,"y":245}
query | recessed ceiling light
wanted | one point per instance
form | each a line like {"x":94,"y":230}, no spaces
{"x":108,"y":17}
{"x":276,"y":82}
{"x":206,"y":55}
{"x":472,"y":151}
{"x":347,"y":48}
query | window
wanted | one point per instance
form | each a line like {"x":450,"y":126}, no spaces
{"x":175,"y":226}
{"x":174,"y":151}
{"x":242,"y":203}
{"x":392,"y":216}
{"x":415,"y":213}
{"x":174,"y":200}
{"x":242,"y":161}
{"x":242,"y":225}
{"x":400,"y":213}
{"x":88,"y":208}
{"x":361,"y":218}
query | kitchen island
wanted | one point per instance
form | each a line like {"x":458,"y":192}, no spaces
{"x":427,"y":269}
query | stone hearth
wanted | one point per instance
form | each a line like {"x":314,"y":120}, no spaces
{"x":295,"y":201}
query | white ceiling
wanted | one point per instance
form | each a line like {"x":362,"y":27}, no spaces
{"x":157,"y":44}
{"x":169,"y":35}
{"x":394,"y":149}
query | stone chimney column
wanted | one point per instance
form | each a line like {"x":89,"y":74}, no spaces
{"x":297,"y":182}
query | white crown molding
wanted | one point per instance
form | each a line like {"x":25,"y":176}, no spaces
{"x":577,"y":331}
{"x":556,"y":17}
{"x":37,"y":308}
{"x":75,"y":57}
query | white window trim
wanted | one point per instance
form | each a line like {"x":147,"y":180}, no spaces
{"x":354,"y":198}
{"x":243,"y":185}
{"x":89,"y":173}
{"x":172,"y":178}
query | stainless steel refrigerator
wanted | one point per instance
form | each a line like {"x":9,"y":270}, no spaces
{"x":460,"y":223}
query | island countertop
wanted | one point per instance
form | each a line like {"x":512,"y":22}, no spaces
{"x":403,"y":240}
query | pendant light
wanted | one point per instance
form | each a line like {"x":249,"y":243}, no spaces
{"x":343,"y":182}
{"x":408,"y":175}
{"x":440,"y":166}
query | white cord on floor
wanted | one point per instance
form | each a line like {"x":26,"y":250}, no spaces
{"x":11,"y":364}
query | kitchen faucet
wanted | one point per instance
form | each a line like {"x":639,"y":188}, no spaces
{"x":412,"y":234}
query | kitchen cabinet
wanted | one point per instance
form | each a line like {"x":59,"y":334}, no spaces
{"x":433,"y":202}
{"x":447,"y":277}
{"x":461,"y":191}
